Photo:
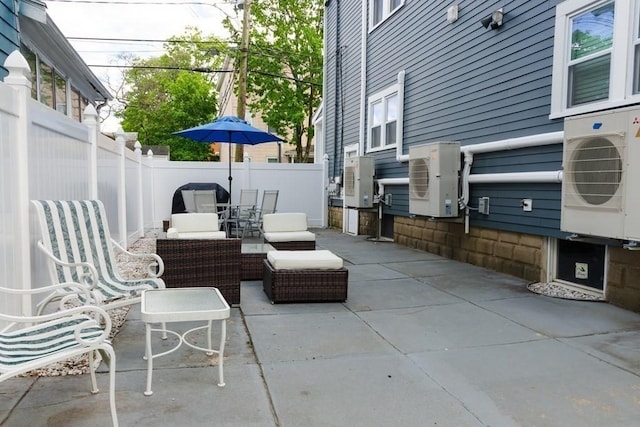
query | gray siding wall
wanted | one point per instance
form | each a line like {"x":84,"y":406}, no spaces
{"x":469,"y":84}
{"x":342,"y":80}
{"x":8,"y":32}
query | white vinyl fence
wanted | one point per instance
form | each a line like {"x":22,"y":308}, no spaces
{"x":47,"y":155}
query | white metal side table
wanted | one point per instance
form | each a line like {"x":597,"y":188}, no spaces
{"x":183,"y":305}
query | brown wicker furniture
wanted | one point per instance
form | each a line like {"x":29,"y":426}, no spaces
{"x":301,"y":284}
{"x":288,"y":231}
{"x":253,"y":255}
{"x":202,"y":262}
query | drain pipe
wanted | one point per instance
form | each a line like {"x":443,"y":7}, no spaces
{"x":517,"y":177}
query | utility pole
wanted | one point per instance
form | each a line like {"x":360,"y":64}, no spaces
{"x":242,"y":72}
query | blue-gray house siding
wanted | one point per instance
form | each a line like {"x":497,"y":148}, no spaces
{"x":462,"y":83}
{"x":9,"y":40}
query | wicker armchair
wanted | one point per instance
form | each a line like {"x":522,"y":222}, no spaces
{"x":202,"y":262}
{"x":288,"y":232}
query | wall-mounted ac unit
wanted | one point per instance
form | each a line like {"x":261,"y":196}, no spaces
{"x":358,"y":181}
{"x":601,"y":165}
{"x":433,"y":179}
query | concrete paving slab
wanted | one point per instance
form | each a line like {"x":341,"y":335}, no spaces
{"x":182,"y":397}
{"x":361,"y":391}
{"x":620,"y":349}
{"x":366,"y":272}
{"x":397,"y":293}
{"x":564,"y":318}
{"x":435,"y":267}
{"x":537,"y":383}
{"x":479,"y":287}
{"x":255,"y":301}
{"x":130,"y":342}
{"x":290,"y":337}
{"x":445,"y":327}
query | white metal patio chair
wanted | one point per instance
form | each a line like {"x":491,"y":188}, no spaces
{"x":268,"y":206}
{"x":79,"y":248}
{"x":32,"y":342}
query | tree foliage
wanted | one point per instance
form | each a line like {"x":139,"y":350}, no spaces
{"x":173,"y":92}
{"x":284,"y":81}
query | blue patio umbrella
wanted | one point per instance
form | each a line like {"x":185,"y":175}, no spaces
{"x":229,"y":129}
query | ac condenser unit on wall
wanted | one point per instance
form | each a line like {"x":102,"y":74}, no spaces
{"x":599,"y":174}
{"x":358,"y":181}
{"x":433,"y":179}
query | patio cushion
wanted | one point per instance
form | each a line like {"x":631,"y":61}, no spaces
{"x":195,"y":226}
{"x":302,"y":260}
{"x":290,"y":236}
{"x":281,"y":222}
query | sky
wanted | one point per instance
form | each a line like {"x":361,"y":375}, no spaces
{"x":134,"y":19}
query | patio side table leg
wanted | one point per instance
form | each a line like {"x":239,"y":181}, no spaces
{"x":149,"y":357}
{"x":209,"y":353}
{"x":223,"y":338}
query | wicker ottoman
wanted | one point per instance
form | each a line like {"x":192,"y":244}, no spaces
{"x":304,"y":276}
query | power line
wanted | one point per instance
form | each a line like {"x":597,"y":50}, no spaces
{"x":169,"y":3}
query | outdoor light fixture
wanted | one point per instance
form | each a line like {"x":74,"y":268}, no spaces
{"x":494,"y":20}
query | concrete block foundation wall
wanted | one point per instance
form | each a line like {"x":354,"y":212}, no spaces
{"x":623,"y":278}
{"x":511,"y":253}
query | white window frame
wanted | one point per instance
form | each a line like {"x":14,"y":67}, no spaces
{"x":622,"y":56}
{"x":386,"y":12}
{"x":382,"y":97}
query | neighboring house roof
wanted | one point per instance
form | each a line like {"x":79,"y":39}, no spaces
{"x":51,"y":44}
{"x":34,"y":9}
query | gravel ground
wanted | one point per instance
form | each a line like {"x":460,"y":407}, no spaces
{"x":129,"y":268}
{"x":557,"y":290}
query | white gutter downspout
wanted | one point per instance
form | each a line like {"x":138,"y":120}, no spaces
{"x":363,"y":79}
{"x":363,"y":95}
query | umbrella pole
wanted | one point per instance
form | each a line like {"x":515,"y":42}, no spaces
{"x":230,"y":178}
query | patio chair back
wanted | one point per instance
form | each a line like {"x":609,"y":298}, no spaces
{"x":268,"y":206}
{"x":189,"y":199}
{"x":205,"y":201}
{"x":79,"y":248}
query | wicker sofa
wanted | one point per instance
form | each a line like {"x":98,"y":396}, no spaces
{"x":288,"y":231}
{"x":195,"y":226}
{"x":202,"y":262}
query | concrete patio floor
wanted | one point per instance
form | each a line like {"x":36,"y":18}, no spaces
{"x":422,"y":340}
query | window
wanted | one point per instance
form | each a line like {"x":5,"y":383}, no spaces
{"x":592,"y":45}
{"x":60,"y":93}
{"x":383,"y":119}
{"x":379,"y":10}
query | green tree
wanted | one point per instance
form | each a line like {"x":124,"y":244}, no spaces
{"x":173,"y":92}
{"x":284,"y":81}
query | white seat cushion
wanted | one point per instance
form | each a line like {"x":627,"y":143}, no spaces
{"x":173,"y":233}
{"x":304,"y":260}
{"x":290,"y":236}
{"x":281,"y":222}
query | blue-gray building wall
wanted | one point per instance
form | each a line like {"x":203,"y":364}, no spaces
{"x":9,"y":40}
{"x":462,"y":83}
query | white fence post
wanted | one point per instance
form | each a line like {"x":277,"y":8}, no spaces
{"x":19,"y":78}
{"x":122,"y":189}
{"x":91,"y":120}
{"x":325,"y":190}
{"x":138,"y":152}
{"x":152,"y":187}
